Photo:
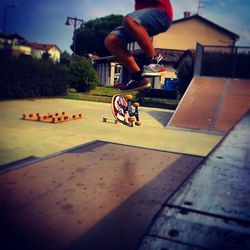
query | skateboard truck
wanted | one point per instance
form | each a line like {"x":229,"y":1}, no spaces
{"x":132,"y":110}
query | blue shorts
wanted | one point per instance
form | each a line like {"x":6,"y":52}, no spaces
{"x":154,"y":20}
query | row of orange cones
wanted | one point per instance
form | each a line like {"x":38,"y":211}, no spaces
{"x":54,"y":118}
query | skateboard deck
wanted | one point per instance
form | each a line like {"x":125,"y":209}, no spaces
{"x":125,"y":111}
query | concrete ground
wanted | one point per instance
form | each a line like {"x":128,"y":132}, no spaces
{"x":20,"y":138}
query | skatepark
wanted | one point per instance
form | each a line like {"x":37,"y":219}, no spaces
{"x":178,"y":181}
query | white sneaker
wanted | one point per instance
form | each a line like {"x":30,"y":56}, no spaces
{"x":154,"y":68}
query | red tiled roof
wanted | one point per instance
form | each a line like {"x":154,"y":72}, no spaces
{"x":41,"y":46}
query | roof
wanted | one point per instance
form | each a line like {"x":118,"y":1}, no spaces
{"x":40,"y":46}
{"x":169,"y":55}
{"x":34,"y":45}
{"x":208,"y":22}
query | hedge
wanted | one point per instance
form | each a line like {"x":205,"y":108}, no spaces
{"x":27,"y":77}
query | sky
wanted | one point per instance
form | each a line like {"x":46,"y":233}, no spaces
{"x":43,"y":21}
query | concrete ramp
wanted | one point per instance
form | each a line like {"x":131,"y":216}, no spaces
{"x":212,"y":209}
{"x":212,"y":104}
{"x":96,"y":196}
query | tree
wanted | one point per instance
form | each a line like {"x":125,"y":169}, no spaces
{"x":65,"y":59}
{"x":90,"y":39}
{"x":46,"y":56}
{"x":82,"y":75}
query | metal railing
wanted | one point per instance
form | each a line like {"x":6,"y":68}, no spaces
{"x":222,"y":61}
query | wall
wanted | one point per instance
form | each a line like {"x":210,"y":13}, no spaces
{"x":54,"y":54}
{"x":184,"y":35}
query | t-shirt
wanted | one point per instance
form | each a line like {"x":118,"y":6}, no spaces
{"x":161,"y":4}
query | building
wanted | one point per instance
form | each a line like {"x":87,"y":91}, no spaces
{"x":183,"y":35}
{"x":16,"y":45}
{"x":186,"y":32}
{"x":38,"y":50}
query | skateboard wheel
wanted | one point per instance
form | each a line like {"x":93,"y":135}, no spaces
{"x":137,"y":123}
{"x":128,"y":97}
{"x":131,"y":119}
{"x":136,"y":104}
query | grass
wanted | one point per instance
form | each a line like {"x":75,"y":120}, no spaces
{"x":104,"y":94}
{"x":99,"y":94}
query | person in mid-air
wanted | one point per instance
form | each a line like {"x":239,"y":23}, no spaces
{"x":150,"y":18}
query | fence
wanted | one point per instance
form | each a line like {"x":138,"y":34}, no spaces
{"x":222,"y":61}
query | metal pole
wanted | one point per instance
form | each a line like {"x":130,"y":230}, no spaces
{"x":5,"y":12}
{"x":74,"y":38}
{"x":75,"y":21}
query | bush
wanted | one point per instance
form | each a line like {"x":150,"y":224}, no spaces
{"x":83,"y":76}
{"x":185,"y":71}
{"x":27,"y":77}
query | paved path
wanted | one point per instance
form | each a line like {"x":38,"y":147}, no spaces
{"x":20,"y":139}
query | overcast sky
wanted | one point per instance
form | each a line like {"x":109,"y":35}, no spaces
{"x":43,"y":21}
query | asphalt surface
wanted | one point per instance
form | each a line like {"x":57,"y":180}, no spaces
{"x":21,"y":139}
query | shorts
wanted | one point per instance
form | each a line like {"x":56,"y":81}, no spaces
{"x":154,"y":20}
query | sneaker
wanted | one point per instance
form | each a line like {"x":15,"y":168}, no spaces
{"x":119,"y":85}
{"x":154,"y":68}
{"x":136,"y":85}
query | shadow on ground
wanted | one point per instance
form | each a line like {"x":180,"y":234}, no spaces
{"x":161,"y":116}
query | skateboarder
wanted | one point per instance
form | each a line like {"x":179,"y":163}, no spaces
{"x":150,"y":18}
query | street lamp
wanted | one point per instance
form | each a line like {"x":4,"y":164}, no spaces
{"x":75,"y":22}
{"x":8,"y":7}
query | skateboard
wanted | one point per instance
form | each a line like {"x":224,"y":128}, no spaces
{"x":125,"y":111}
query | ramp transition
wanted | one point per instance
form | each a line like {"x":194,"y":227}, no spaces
{"x":98,"y":196}
{"x":212,"y":104}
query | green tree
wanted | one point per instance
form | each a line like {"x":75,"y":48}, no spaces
{"x":90,"y":39}
{"x":82,"y":75}
{"x":65,"y":59}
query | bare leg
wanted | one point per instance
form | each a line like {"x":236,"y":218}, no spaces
{"x":140,"y":34}
{"x":114,"y":44}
